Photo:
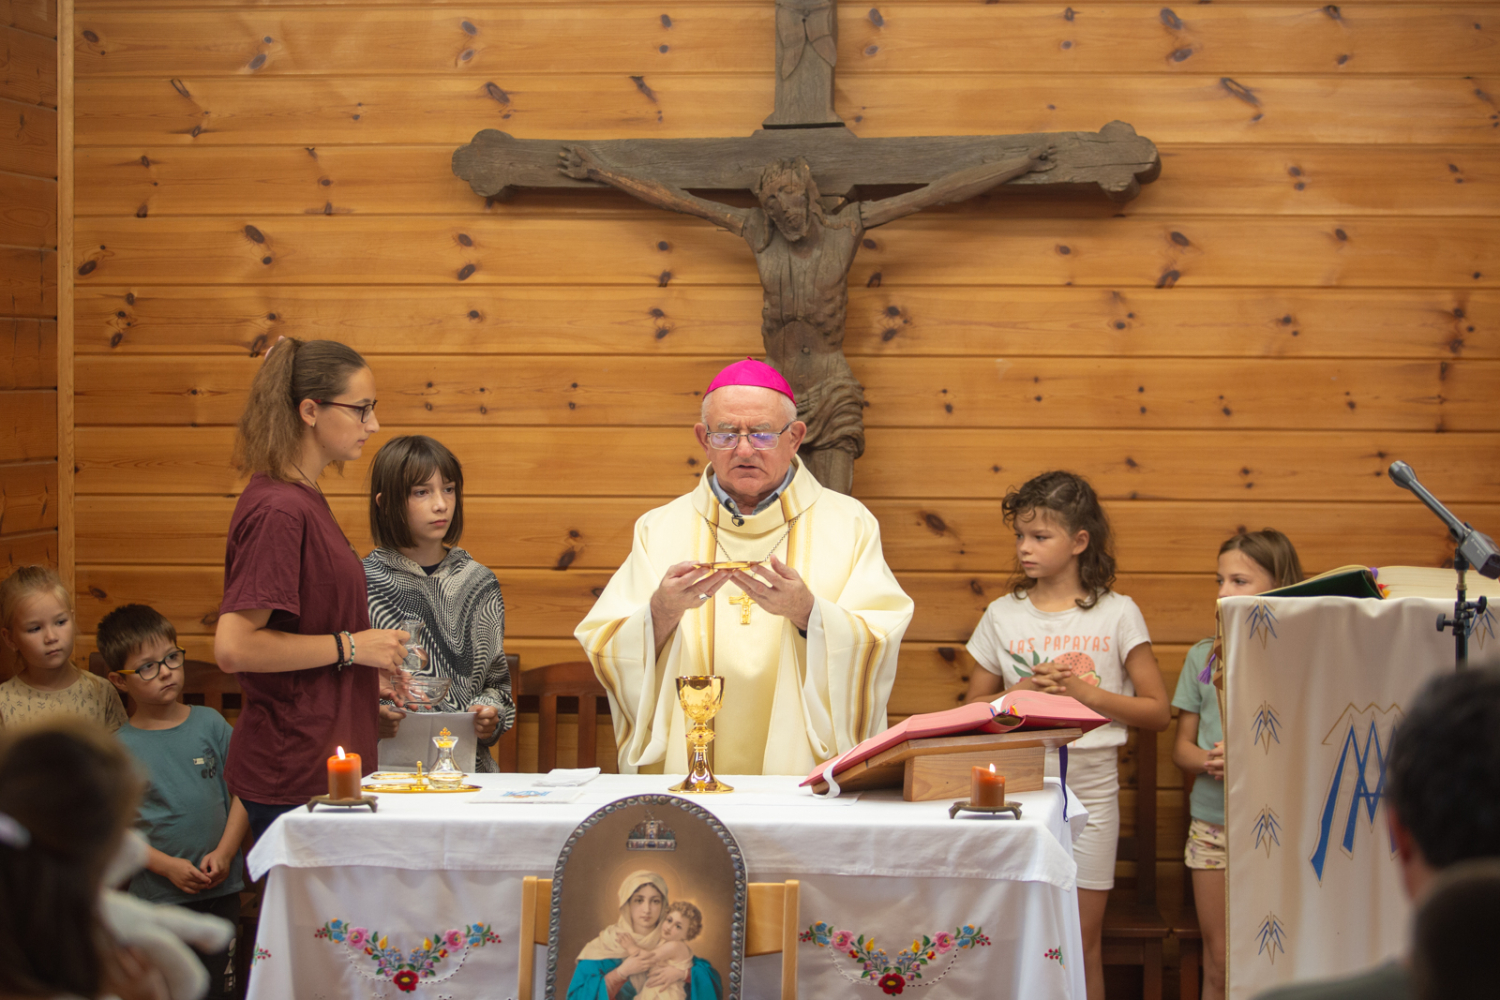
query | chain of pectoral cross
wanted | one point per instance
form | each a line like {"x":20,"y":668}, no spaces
{"x":745,"y":601}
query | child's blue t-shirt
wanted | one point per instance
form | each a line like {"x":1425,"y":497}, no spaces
{"x":186,"y":805}
{"x":1192,"y":695}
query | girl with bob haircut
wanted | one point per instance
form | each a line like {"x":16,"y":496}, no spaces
{"x":295,"y":623}
{"x":417,"y":571}
{"x":1063,"y":630}
{"x":1249,"y":563}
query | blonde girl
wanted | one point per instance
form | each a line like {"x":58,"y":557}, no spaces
{"x":1063,"y":630}
{"x":1251,"y":563}
{"x":36,"y":624}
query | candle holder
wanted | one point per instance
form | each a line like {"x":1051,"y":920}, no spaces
{"x":326,"y":800}
{"x":701,"y":697}
{"x":1014,"y":808}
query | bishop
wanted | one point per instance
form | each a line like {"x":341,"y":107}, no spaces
{"x":806,"y":635}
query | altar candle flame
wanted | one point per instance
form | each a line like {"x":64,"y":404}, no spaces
{"x":342,"y":757}
{"x":992,"y":766}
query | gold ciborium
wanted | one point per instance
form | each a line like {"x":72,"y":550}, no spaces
{"x":701,"y":696}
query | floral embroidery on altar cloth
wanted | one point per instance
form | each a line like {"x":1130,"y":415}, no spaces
{"x":1056,"y":955}
{"x":364,"y":947}
{"x":261,"y":954}
{"x":894,"y":975}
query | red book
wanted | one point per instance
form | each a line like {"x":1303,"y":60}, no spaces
{"x":1015,"y":710}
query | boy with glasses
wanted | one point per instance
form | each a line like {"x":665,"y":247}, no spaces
{"x":193,"y":824}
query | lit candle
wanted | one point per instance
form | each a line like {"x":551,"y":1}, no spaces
{"x":343,"y":776}
{"x":987,"y":788}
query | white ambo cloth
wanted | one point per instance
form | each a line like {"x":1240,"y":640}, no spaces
{"x":878,"y":866}
{"x":1313,"y":687}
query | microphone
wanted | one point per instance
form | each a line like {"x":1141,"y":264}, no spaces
{"x":1475,"y":546}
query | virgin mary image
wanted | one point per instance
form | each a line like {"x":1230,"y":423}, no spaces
{"x":621,"y":963}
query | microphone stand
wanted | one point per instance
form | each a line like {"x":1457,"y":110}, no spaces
{"x":1469,"y":545}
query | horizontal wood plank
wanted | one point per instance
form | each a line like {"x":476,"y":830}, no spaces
{"x":544,"y":604}
{"x":36,"y":549}
{"x":215,"y":110}
{"x":38,"y":16}
{"x":28,"y":353}
{"x":28,"y":282}
{"x":739,"y":38}
{"x":1014,"y":392}
{"x":418,"y":180}
{"x":28,"y":139}
{"x":28,"y":424}
{"x":1289,"y":252}
{"x":1160,"y":536}
{"x":28,"y":67}
{"x":927,"y":464}
{"x":908,"y":320}
{"x":28,"y":497}
{"x":28,"y":211}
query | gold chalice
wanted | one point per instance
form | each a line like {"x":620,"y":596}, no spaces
{"x":701,"y":696}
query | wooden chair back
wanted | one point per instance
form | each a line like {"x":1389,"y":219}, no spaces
{"x":771,"y":922}
{"x":540,"y":690}
{"x":1134,"y":930}
{"x":203,"y":683}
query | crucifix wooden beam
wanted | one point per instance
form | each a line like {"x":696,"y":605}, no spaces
{"x":805,"y":167}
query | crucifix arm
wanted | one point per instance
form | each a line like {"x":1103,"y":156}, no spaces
{"x":957,"y":186}
{"x":579,"y":162}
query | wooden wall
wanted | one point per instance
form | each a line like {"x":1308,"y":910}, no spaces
{"x":28,"y":284}
{"x":1309,"y":292}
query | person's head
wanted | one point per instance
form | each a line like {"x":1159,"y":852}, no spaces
{"x":1455,"y":927}
{"x":643,"y":896}
{"x":683,"y":922}
{"x":1443,"y":776}
{"x":789,"y":196}
{"x":416,"y":494}
{"x":318,"y":392}
{"x":36,"y":618}
{"x":139,"y":645}
{"x":1059,"y":523}
{"x":749,"y":430}
{"x":1254,"y":562}
{"x":69,"y":791}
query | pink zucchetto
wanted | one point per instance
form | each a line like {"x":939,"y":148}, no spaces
{"x":752,"y":372}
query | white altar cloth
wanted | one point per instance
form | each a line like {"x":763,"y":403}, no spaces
{"x":891,"y":870}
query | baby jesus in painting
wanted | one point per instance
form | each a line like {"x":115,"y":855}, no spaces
{"x":682,"y":923}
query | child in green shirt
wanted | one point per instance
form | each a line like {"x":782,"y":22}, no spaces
{"x":195,"y":827}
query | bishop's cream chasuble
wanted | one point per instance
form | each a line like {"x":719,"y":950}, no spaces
{"x":789,"y":702}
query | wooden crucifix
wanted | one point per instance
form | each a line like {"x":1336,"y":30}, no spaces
{"x":806,"y":168}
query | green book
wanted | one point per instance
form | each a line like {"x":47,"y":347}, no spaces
{"x":1346,"y":581}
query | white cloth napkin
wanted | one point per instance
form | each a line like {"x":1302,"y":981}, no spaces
{"x":559,"y":776}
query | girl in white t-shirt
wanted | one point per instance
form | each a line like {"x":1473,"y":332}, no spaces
{"x":1062,"y":630}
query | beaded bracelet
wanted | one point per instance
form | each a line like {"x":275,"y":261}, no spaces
{"x":350,"y":660}
{"x":339,"y":640}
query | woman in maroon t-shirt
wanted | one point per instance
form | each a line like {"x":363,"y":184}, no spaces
{"x":295,"y":622}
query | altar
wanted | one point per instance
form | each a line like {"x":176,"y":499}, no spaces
{"x":436,"y":880}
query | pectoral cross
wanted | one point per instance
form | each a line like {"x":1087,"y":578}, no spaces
{"x":807,"y":170}
{"x":746,"y":602}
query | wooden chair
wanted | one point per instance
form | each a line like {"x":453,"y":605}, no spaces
{"x":540,"y":690}
{"x":1185,"y":928}
{"x":1134,"y":929}
{"x":770,"y":926}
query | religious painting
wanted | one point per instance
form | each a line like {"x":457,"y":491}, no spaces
{"x":648,"y":903}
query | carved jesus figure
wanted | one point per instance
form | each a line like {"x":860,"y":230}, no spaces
{"x":804,"y":246}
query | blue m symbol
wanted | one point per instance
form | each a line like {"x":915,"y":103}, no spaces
{"x":1362,"y":793}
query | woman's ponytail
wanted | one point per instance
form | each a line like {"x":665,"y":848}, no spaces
{"x":270,"y":432}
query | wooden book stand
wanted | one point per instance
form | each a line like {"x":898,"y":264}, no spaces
{"x":941,"y":767}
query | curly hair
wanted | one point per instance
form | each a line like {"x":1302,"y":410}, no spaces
{"x":692,"y":915}
{"x":1070,"y":499}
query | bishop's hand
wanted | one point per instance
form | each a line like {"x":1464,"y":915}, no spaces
{"x":779,"y":589}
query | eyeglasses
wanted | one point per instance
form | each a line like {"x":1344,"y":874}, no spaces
{"x":148,"y":671}
{"x":365,"y":410}
{"x":759,"y":440}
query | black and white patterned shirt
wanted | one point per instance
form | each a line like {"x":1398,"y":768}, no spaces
{"x":461,"y":606}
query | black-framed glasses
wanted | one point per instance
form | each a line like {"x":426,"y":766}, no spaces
{"x":759,"y":440}
{"x":365,"y":410}
{"x":148,"y":671}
